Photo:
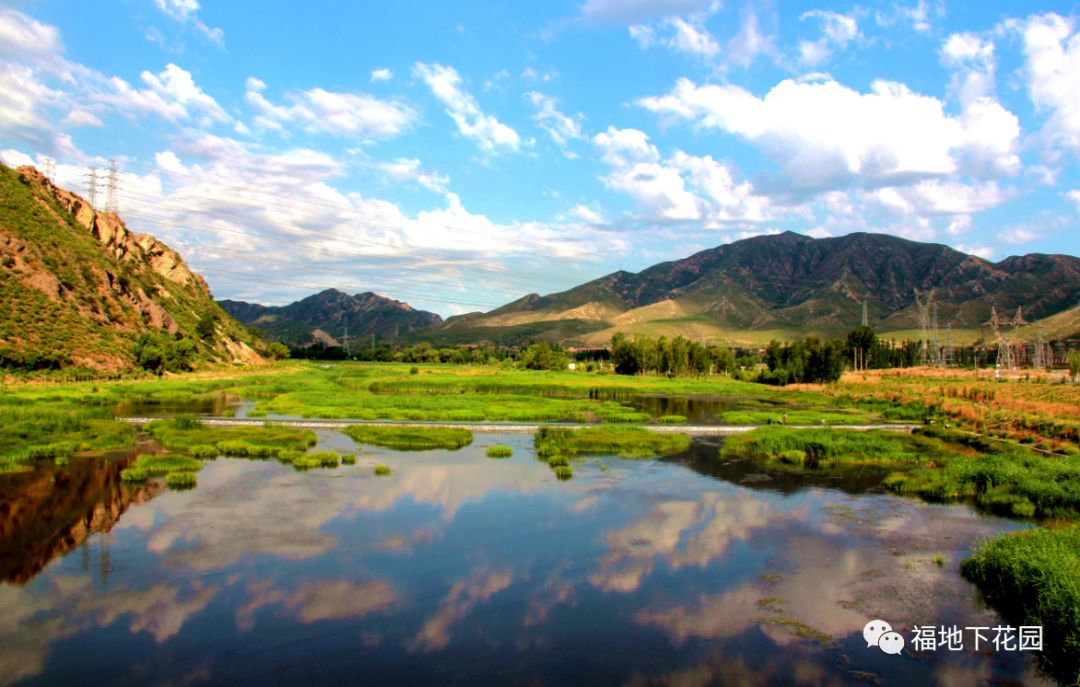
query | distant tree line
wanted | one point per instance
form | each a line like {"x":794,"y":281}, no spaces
{"x":676,"y":357}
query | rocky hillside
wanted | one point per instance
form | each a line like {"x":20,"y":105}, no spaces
{"x":786,"y":285}
{"x":326,"y":316}
{"x":78,"y":289}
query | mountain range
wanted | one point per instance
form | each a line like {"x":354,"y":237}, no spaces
{"x":788,"y":285}
{"x":329,"y":316}
{"x":78,"y":288}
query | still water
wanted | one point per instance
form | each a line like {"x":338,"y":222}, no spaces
{"x":462,"y":570}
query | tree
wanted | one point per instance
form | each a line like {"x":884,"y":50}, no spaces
{"x":541,"y":356}
{"x":277,"y":350}
{"x":860,"y":345}
{"x":205,"y":327}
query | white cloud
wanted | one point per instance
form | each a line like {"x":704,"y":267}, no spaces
{"x":588,"y":214}
{"x":749,"y":43}
{"x":837,"y":30}
{"x":984,"y":252}
{"x":825,"y":134}
{"x":686,"y":36}
{"x":972,"y":60}
{"x":682,"y":188}
{"x":22,"y":36}
{"x":961,"y":224}
{"x":1016,"y":235}
{"x":354,"y":115}
{"x":631,"y":11}
{"x":187,"y":11}
{"x":485,"y":130}
{"x":1074,"y":196}
{"x":918,"y":16}
{"x":381,"y":74}
{"x":15,"y":158}
{"x":79,"y":117}
{"x":559,"y":126}
{"x":936,"y":197}
{"x":172,"y":95}
{"x":409,"y":169}
{"x":1052,"y":70}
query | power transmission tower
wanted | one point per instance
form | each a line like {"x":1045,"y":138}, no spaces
{"x":949,"y":357}
{"x":345,"y":339}
{"x":110,"y":187}
{"x":865,"y":318}
{"x":935,"y":340}
{"x":91,"y":187}
{"x":1014,"y":336}
{"x":50,"y":168}
{"x":1004,"y":352}
{"x":925,"y":356}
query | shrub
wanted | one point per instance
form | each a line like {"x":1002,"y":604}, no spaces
{"x":564,"y":472}
{"x":348,"y":459}
{"x":382,"y":470}
{"x":499,"y":452}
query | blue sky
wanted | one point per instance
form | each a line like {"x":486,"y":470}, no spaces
{"x":460,"y":155}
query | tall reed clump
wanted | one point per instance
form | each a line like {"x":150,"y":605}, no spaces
{"x":411,"y":438}
{"x":1034,"y":578}
{"x":499,"y":451}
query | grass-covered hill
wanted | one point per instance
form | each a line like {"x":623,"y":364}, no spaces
{"x":79,"y":290}
{"x":784,"y":286}
{"x":327,"y":316}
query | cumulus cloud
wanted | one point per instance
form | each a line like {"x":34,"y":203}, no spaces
{"x":971,"y":58}
{"x":682,"y":188}
{"x":824,"y":134}
{"x":353,"y":115}
{"x":187,"y":12}
{"x":381,"y":74}
{"x":1052,"y":72}
{"x":485,"y":130}
{"x":837,"y":31}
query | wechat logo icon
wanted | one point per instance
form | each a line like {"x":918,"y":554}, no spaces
{"x":880,"y":634}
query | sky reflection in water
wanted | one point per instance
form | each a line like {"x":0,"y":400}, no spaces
{"x":459,"y":569}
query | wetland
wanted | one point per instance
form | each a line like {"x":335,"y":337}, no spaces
{"x":605,"y":555}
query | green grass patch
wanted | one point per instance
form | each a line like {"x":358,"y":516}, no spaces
{"x":166,"y":463}
{"x":564,"y":472}
{"x":499,"y":451}
{"x":671,"y":419}
{"x":1034,"y":578}
{"x":626,"y":442}
{"x":821,"y":448}
{"x":382,"y":470}
{"x":348,"y":459}
{"x":411,"y":438}
{"x":134,"y":475}
{"x":245,"y":442}
{"x":180,"y":480}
